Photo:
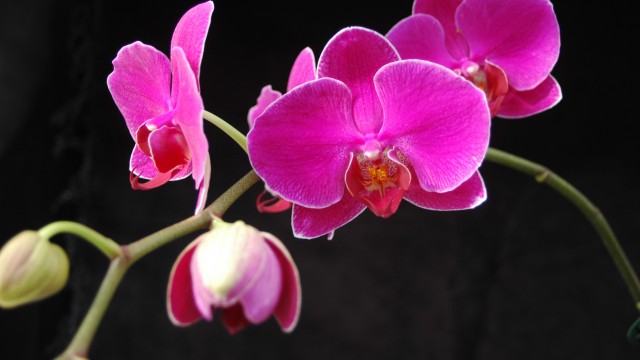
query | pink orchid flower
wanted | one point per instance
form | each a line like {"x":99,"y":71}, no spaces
{"x":369,"y":132}
{"x":302,"y":71}
{"x":161,"y":104}
{"x":248,"y":275}
{"x":506,"y":47}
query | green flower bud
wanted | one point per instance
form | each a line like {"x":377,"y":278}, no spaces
{"x":31,"y":269}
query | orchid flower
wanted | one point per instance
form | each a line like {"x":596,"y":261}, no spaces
{"x":505,"y":47}
{"x":370,"y":131}
{"x":302,"y":71}
{"x":162,"y":107}
{"x":248,"y":275}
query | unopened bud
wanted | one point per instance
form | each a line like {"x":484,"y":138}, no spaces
{"x":31,"y":269}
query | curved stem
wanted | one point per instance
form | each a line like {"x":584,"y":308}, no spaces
{"x":588,"y":209}
{"x":233,"y":133}
{"x":79,"y":346}
{"x":107,"y":246}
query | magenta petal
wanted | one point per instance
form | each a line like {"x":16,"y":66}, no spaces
{"x":180,"y":305}
{"x":301,"y":144}
{"x":267,"y":96}
{"x":303,"y":69}
{"x":521,"y":37}
{"x":444,"y":11}
{"x":140,"y":84}
{"x":203,"y":187}
{"x":188,"y":113}
{"x":468,"y":195}
{"x":288,"y":309}
{"x":437,"y":119}
{"x":353,"y":56}
{"x":261,"y":299}
{"x":311,"y":223}
{"x":233,"y":319}
{"x":191,"y":32}
{"x":421,"y":37}
{"x":518,"y":104}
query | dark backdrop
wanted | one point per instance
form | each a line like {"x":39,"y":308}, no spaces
{"x":522,"y":277}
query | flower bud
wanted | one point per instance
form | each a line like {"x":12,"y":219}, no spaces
{"x":31,"y":269}
{"x":247,"y":274}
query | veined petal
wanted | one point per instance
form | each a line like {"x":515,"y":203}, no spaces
{"x":444,"y":11}
{"x":521,"y":37}
{"x":437,"y":119}
{"x":140,"y":84}
{"x":303,"y":69}
{"x":310,"y":223}
{"x":518,"y":104}
{"x":288,"y":309}
{"x":267,"y":96}
{"x":261,"y":299}
{"x":300,"y":145}
{"x":353,"y":56}
{"x":191,"y":33}
{"x":188,"y":113}
{"x":421,"y":37}
{"x":180,"y":305}
{"x":468,"y":195}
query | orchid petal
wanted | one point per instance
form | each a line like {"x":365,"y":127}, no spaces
{"x":311,"y":223}
{"x":301,"y":144}
{"x":468,"y":195}
{"x":444,"y":11}
{"x":518,"y":104}
{"x":203,"y":186}
{"x":188,"y":113}
{"x":303,"y":69}
{"x":288,"y":309}
{"x":353,"y":56}
{"x":437,"y":119}
{"x":267,"y":96}
{"x":233,"y":319}
{"x":143,"y":167}
{"x":521,"y":37}
{"x":191,"y":33}
{"x":421,"y":37}
{"x":140,"y":84}
{"x":180,"y":305}
{"x":261,"y":299}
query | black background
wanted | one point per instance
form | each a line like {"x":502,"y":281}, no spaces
{"x":522,"y":277}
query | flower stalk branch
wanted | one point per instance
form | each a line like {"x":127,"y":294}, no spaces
{"x":588,"y":209}
{"x":232,"y":132}
{"x":110,"y":248}
{"x":129,"y":254}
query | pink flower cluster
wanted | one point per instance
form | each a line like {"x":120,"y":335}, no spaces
{"x":379,"y":119}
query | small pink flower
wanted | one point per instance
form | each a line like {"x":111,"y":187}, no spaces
{"x":248,"y":275}
{"x":161,"y":104}
{"x":369,"y":132}
{"x":506,"y":47}
{"x":302,"y":71}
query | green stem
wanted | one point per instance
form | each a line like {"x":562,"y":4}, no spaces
{"x":107,"y":246}
{"x":79,"y":345}
{"x":588,"y":209}
{"x":233,"y":133}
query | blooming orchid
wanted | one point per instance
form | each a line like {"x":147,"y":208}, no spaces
{"x":161,"y":104}
{"x":247,"y":274}
{"x":302,"y":71}
{"x":505,"y":47}
{"x":370,"y":131}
